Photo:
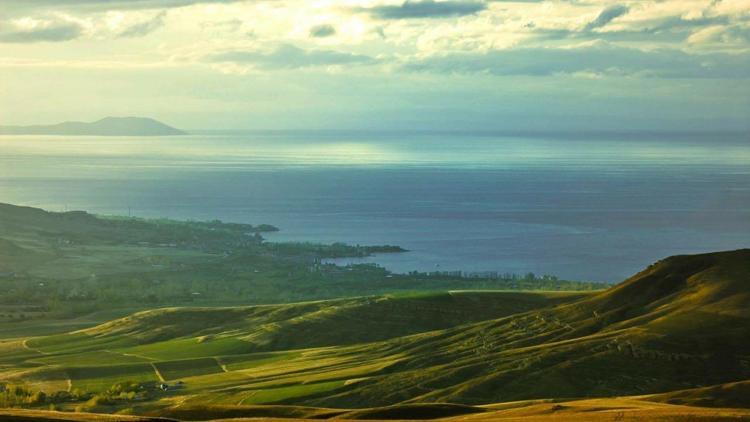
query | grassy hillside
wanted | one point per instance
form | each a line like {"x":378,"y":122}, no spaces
{"x":682,"y":323}
{"x":609,"y":409}
{"x":733,"y":394}
{"x":218,"y":343}
{"x":595,"y":410}
{"x":324,"y":323}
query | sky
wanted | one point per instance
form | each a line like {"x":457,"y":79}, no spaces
{"x":488,"y":65}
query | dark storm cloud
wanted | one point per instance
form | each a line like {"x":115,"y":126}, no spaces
{"x":426,"y":9}
{"x":289,"y":57}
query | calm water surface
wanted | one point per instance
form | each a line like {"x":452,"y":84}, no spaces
{"x":583,"y":208}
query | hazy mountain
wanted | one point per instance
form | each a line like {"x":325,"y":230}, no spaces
{"x":108,"y":126}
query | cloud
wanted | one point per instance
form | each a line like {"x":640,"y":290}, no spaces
{"x":593,"y":60}
{"x":33,"y":30}
{"x":607,"y":15}
{"x":667,"y":29}
{"x":679,"y":23}
{"x":289,"y":57}
{"x":99,"y":5}
{"x":144,"y":28}
{"x":322,"y":31}
{"x":719,"y":34}
{"x":231,"y":25}
{"x":426,"y":9}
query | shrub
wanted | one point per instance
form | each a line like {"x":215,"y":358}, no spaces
{"x":37,"y":398}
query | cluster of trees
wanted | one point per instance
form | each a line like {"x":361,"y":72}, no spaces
{"x":235,"y":227}
{"x":503,"y":281}
{"x":121,"y":392}
{"x":13,"y":395}
{"x":244,"y":279}
{"x":333,"y":250}
{"x":19,"y":396}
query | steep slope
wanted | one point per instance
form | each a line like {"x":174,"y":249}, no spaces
{"x":681,"y":323}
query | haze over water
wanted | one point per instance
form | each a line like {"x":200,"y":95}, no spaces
{"x":589,"y":208}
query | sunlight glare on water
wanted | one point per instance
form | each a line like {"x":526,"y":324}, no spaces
{"x":585,"y":208}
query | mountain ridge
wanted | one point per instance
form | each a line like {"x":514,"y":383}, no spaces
{"x":587,"y":348}
{"x":108,"y":126}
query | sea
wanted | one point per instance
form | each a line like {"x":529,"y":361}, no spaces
{"x":594,"y":207}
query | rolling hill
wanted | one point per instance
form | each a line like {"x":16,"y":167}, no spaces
{"x":326,"y":323}
{"x":595,"y":410}
{"x":108,"y":126}
{"x":733,"y":394}
{"x":683,"y":322}
{"x":674,"y":337}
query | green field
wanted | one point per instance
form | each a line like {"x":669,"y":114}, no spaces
{"x":177,"y":369}
{"x":237,"y":363}
{"x":193,"y":347}
{"x":101,"y":377}
{"x":422,"y":348}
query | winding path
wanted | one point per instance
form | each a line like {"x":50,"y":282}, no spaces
{"x":158,"y":374}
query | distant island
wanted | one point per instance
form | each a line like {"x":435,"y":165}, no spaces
{"x":108,"y":126}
